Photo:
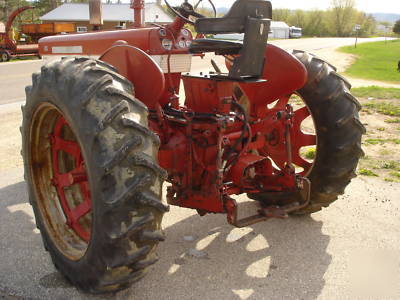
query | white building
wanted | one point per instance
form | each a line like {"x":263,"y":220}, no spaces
{"x":113,"y":15}
{"x":278,"y":30}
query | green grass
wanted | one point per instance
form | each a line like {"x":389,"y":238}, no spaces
{"x":395,"y":174}
{"x":394,"y":177}
{"x":391,"y":165}
{"x":376,"y":92}
{"x":367,"y":172}
{"x":382,"y":107}
{"x":388,"y":179}
{"x":395,"y":120}
{"x":376,"y":61}
{"x":24,"y":58}
{"x":378,"y":141}
{"x":310,"y":153}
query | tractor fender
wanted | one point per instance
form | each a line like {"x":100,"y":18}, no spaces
{"x":283,"y":74}
{"x":140,"y":69}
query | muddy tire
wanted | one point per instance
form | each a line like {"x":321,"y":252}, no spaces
{"x":101,"y":225}
{"x":338,"y":129}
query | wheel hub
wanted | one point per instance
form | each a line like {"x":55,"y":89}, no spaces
{"x":62,"y":180}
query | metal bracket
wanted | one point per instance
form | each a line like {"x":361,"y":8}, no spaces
{"x":270,"y":212}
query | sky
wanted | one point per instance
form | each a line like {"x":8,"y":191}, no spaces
{"x":369,"y":6}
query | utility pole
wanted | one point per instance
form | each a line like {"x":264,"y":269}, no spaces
{"x":357,"y":28}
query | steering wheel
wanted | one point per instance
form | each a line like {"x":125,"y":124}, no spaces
{"x":186,"y":10}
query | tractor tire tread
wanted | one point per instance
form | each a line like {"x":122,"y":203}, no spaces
{"x":333,"y":169}
{"x":128,"y":193}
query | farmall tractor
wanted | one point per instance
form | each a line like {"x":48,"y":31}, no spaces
{"x":103,"y":128}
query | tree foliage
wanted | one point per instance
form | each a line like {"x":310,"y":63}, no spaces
{"x":342,"y":15}
{"x":339,"y":20}
{"x":396,"y":27}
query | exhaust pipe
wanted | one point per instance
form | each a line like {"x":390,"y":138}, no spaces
{"x":138,"y":11}
{"x":96,"y":14}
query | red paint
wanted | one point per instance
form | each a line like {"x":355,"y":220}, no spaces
{"x":10,"y":45}
{"x":138,"y":8}
{"x":206,"y":147}
{"x":132,"y":63}
{"x":63,"y":180}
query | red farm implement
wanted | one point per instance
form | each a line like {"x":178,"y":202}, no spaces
{"x":104,"y":127}
{"x":10,"y":48}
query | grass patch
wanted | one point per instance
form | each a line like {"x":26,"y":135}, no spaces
{"x":388,"y":179}
{"x":382,"y":107}
{"x":24,"y":58}
{"x":367,"y":172}
{"x":309,"y":153}
{"x":376,"y":61}
{"x":378,"y":141}
{"x":395,"y":174}
{"x":391,"y":165}
{"x":380,"y":129}
{"x":393,"y":121}
{"x":376,"y":92}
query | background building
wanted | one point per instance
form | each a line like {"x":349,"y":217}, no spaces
{"x":278,"y":30}
{"x":114,"y":15}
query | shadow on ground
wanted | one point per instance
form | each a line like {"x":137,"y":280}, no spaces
{"x":280,"y":259}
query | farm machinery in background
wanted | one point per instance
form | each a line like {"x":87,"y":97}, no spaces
{"x":103,"y":127}
{"x":9,"y":47}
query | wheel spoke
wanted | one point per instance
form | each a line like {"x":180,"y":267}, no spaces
{"x":301,"y":114}
{"x":76,"y":176}
{"x":301,"y":162}
{"x":305,"y":140}
{"x":69,"y":147}
{"x":81,"y":210}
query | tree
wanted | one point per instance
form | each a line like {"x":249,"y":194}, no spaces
{"x":315,"y":23}
{"x":396,"y":27}
{"x":298,"y":18}
{"x":281,"y":14}
{"x":342,"y":14}
{"x":367,"y":22}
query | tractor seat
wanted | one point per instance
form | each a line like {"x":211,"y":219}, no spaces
{"x":220,"y":47}
{"x":236,"y":18}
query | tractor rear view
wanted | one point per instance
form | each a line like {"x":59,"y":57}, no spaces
{"x":103,"y":128}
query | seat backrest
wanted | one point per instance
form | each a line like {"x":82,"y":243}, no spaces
{"x":235,"y":20}
{"x":253,"y":17}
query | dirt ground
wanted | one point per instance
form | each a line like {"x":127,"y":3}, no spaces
{"x":381,"y":143}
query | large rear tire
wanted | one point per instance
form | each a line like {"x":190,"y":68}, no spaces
{"x":92,"y":174}
{"x":338,"y":129}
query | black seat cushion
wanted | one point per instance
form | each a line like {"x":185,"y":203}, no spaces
{"x":235,"y":20}
{"x":220,"y":47}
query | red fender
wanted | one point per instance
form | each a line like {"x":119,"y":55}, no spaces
{"x":139,"y":68}
{"x":284,"y":74}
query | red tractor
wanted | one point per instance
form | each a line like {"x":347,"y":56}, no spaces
{"x":103,"y":128}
